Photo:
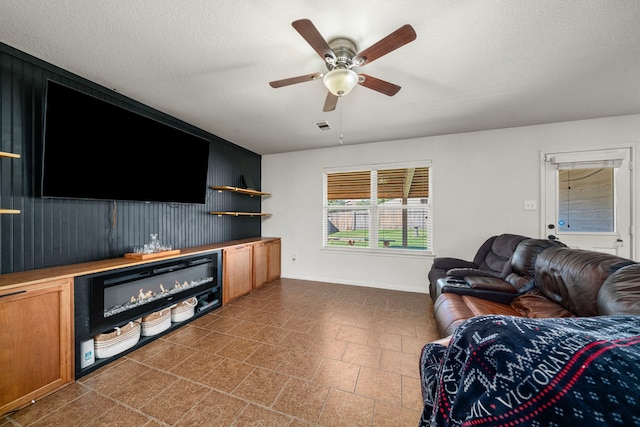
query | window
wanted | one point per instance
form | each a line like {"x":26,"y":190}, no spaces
{"x":586,"y":190}
{"x":386,"y":207}
{"x":586,"y":200}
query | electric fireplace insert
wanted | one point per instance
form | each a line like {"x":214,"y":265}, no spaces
{"x":104,"y":301}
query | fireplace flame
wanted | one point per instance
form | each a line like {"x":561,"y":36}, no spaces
{"x":149,"y":296}
{"x":144,"y":295}
{"x":179,"y":286}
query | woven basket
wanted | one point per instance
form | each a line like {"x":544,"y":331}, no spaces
{"x":184,"y":310}
{"x":156,"y":322}
{"x":114,"y":342}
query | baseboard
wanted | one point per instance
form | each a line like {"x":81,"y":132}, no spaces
{"x":422,"y":290}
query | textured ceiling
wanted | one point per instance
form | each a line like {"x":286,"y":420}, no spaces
{"x":475,"y":65}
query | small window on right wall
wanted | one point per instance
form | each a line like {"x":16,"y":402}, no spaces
{"x":586,"y":200}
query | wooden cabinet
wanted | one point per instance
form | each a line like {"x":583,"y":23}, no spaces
{"x":274,"y":260}
{"x":266,"y":262}
{"x":250,"y":266}
{"x":237,"y":271}
{"x":260,"y":264}
{"x":36,"y":342}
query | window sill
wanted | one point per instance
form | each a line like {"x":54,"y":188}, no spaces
{"x":405,"y":253}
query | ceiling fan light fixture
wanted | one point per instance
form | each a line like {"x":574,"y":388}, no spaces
{"x":340,"y":81}
{"x":339,"y":56}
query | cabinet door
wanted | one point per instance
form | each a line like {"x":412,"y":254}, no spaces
{"x":274,"y":260}
{"x":237,"y":271}
{"x":260,"y":265}
{"x":35,"y":342}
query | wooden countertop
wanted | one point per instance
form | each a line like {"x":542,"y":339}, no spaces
{"x":12,"y":280}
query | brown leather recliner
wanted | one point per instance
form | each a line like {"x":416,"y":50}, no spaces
{"x":520,"y":277}
{"x":491,"y":259}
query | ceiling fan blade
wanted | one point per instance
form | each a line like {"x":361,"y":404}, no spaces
{"x":294,"y":80}
{"x":398,"y":38}
{"x":311,"y":34}
{"x":378,"y":85}
{"x":331,"y":102}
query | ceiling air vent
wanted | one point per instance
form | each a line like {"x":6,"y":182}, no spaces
{"x":323,"y":125}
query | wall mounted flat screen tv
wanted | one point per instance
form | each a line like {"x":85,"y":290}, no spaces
{"x":94,"y":149}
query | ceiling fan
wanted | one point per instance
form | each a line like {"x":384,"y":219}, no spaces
{"x":340,"y":58}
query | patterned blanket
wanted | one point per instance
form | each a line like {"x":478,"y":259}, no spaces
{"x":505,"y":371}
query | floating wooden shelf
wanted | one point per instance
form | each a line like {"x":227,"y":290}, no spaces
{"x":9,"y":156}
{"x":240,"y":213}
{"x":221,"y":188}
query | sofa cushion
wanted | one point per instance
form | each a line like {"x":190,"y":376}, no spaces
{"x":451,"y":310}
{"x":535,"y":305}
{"x":572,"y":277}
{"x":620,"y":293}
{"x":523,"y":262}
{"x":496,"y":258}
{"x":481,"y":306}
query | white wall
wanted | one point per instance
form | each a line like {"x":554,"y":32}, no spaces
{"x":480,"y":180}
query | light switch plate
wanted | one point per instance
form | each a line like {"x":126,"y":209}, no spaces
{"x":530,"y":205}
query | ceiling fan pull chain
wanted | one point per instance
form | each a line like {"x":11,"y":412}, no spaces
{"x":340,"y":124}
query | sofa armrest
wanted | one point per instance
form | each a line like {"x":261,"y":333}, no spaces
{"x":490,"y":284}
{"x":489,"y":288}
{"x":447,"y":263}
{"x":467,"y":272}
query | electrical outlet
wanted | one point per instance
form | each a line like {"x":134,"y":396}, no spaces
{"x":530,"y":205}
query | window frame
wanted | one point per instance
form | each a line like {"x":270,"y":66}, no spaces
{"x":373,"y":209}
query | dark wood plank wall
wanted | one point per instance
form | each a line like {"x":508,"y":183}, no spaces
{"x":53,"y":232}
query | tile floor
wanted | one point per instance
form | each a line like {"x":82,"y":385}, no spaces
{"x":293,"y":353}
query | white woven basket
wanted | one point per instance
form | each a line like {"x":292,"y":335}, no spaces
{"x":184,"y":310}
{"x":156,"y":322}
{"x":114,"y":342}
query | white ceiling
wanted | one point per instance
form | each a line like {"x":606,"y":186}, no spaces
{"x":475,"y":65}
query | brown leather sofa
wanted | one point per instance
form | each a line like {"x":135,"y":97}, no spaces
{"x":547,"y":280}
